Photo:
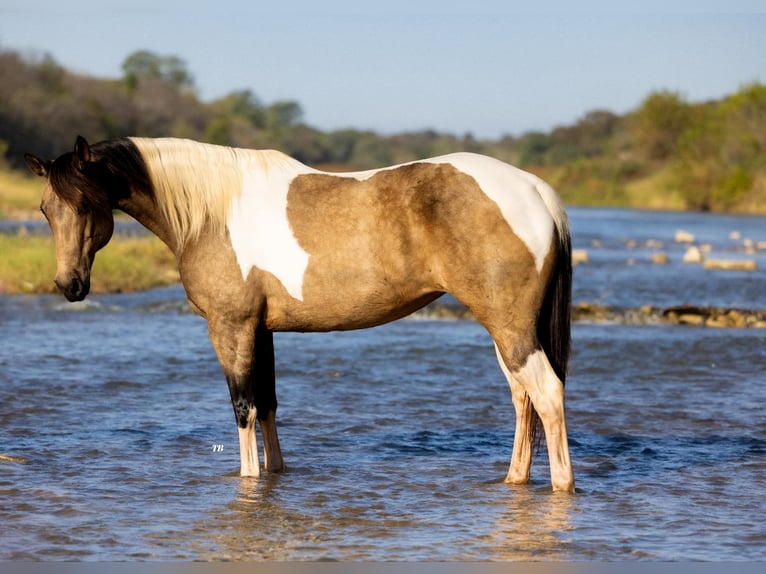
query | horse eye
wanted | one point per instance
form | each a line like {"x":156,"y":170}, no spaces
{"x":84,"y":205}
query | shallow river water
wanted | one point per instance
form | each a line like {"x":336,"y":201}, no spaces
{"x":119,"y":441}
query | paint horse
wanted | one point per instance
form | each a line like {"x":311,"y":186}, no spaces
{"x":266,"y":244}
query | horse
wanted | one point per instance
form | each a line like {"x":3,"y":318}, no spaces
{"x":267,"y":244}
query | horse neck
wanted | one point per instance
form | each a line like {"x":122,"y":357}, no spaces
{"x":142,"y":207}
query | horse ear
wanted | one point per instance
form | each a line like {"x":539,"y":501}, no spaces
{"x":82,"y":155}
{"x":38,"y":166}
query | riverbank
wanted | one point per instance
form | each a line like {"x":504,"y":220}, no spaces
{"x":127,"y":264}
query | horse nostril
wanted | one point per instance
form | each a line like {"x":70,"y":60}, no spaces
{"x":75,"y":289}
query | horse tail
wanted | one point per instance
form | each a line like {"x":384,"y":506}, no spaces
{"x":554,"y":320}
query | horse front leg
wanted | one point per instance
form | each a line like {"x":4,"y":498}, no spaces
{"x":266,"y":399}
{"x":246,"y":354}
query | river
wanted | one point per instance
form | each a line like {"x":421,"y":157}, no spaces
{"x":119,"y":441}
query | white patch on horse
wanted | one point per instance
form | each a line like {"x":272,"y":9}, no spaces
{"x":520,"y":196}
{"x":260,"y":232}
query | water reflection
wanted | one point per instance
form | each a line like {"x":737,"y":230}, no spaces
{"x":254,"y":525}
{"x":532,"y":525}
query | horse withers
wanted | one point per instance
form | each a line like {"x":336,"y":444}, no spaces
{"x":265,"y":243}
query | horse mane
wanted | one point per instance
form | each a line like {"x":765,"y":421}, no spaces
{"x":195,"y":183}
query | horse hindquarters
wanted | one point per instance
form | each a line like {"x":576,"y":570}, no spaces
{"x":526,"y":312}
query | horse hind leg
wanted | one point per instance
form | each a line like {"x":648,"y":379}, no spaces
{"x":536,"y":379}
{"x":523,"y":438}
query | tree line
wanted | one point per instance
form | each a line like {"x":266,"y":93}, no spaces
{"x":712,"y":155}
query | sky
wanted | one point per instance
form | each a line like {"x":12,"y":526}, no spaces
{"x":481,"y":67}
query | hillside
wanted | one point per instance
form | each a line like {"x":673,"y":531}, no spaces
{"x":667,"y":154}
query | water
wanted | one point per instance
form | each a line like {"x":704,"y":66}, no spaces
{"x":396,"y":439}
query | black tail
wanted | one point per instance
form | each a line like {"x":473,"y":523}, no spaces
{"x":554,"y":322}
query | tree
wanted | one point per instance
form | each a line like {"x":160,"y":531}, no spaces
{"x":283,"y":114}
{"x":659,"y":123}
{"x":168,"y":69}
{"x":534,"y":147}
{"x":722,"y":150}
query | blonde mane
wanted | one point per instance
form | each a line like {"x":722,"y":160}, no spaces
{"x":196,"y":183}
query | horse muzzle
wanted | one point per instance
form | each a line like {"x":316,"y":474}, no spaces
{"x":74,"y":288}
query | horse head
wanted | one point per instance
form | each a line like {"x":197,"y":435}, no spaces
{"x":78,"y":209}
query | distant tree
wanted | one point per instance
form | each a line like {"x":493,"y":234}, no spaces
{"x":370,"y":151}
{"x":659,"y":123}
{"x":307,"y":145}
{"x":340,"y":145}
{"x":709,"y":154}
{"x":168,"y":69}
{"x":283,"y":114}
{"x":244,"y":104}
{"x":722,"y":151}
{"x":534,"y":148}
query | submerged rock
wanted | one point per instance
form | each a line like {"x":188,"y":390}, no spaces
{"x":579,"y":256}
{"x":731,"y":264}
{"x":693,"y":255}
{"x":680,"y":315}
{"x":715,"y":316}
{"x":584,"y":312}
{"x":684,"y":237}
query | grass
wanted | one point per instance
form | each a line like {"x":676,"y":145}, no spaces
{"x":643,"y":193}
{"x":20,"y":195}
{"x":28,"y":265}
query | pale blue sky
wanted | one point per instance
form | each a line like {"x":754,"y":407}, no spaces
{"x":486,"y":67}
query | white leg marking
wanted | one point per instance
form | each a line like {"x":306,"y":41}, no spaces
{"x":547,"y":393}
{"x":248,"y":448}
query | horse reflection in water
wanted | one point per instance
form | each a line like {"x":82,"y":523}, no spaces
{"x":265,"y":243}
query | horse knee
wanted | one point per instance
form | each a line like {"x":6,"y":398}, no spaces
{"x":242,"y":399}
{"x":537,"y":377}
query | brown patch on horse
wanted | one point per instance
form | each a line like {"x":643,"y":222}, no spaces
{"x":393,"y":242}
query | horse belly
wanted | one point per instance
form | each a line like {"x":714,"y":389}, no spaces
{"x":344,"y":303}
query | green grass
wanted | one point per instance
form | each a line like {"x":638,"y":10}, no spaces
{"x":28,"y":265}
{"x":20,"y":195}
